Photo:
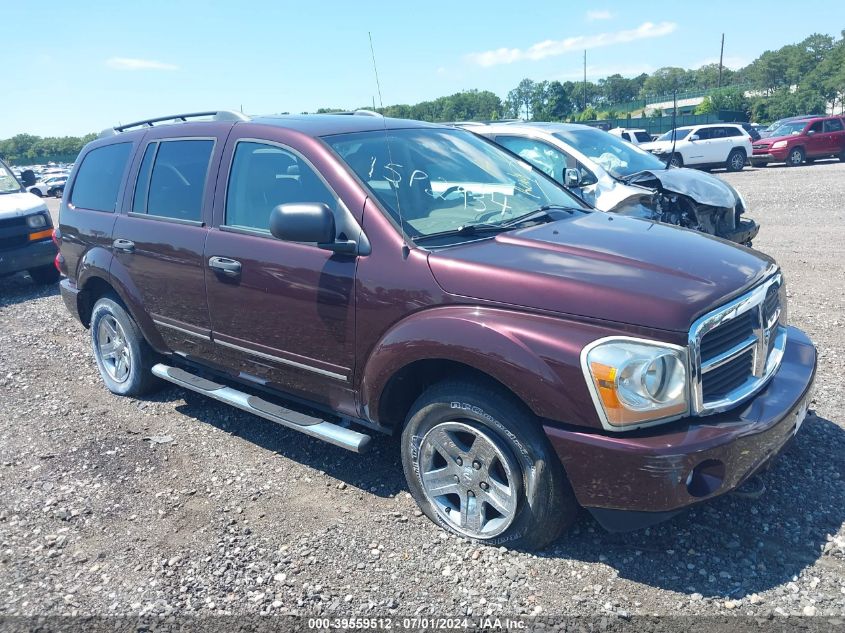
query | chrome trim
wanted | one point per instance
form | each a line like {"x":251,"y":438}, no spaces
{"x":768,"y":345}
{"x":729,"y":355}
{"x":594,"y":395}
{"x":283,"y":361}
{"x":204,"y":337}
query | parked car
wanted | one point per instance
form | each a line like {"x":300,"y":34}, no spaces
{"x":346,"y":275}
{"x":725,"y":145}
{"x":802,"y":140}
{"x":48,"y":186}
{"x":634,"y":136}
{"x":612,"y":175}
{"x":26,"y":232}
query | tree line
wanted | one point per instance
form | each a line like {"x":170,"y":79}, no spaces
{"x":795,"y":79}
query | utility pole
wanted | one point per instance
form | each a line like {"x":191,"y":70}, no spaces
{"x":721,"y":56}
{"x":585,"y":79}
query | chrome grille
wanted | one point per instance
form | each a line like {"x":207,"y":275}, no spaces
{"x":735,"y":349}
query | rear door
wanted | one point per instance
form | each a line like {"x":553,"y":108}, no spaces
{"x":282,"y":313}
{"x":158,"y":243}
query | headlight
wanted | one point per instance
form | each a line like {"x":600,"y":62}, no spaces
{"x":36,"y":221}
{"x":636,"y":382}
{"x":778,"y":144}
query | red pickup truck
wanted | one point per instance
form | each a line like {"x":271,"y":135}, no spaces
{"x":803,"y":140}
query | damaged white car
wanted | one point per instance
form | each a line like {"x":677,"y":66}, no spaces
{"x":616,"y":176}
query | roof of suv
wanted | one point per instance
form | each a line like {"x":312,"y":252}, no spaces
{"x":309,"y":124}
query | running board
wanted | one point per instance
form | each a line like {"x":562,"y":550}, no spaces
{"x":309,"y":425}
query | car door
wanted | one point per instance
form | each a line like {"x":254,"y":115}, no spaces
{"x":282,"y":313}
{"x":158,"y":244}
{"x":697,"y":152}
{"x":721,"y":143}
{"x":834,"y":129}
{"x":816,"y":143}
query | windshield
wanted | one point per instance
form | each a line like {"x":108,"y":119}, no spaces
{"x":788,"y":129}
{"x":682,"y":133}
{"x":445,"y":179}
{"x":618,"y":157}
{"x":8,"y":182}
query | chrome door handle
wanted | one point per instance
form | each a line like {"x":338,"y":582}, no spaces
{"x":124,"y":246}
{"x":229,"y":267}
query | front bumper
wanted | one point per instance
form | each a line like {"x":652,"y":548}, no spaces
{"x":776,"y":156}
{"x":636,"y":479}
{"x":744,"y":233}
{"x":32,"y":255}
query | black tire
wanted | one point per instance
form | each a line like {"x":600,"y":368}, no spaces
{"x":677,"y":160}
{"x":545,"y":504}
{"x":736,"y":160}
{"x":140,"y":358}
{"x":59,"y":192}
{"x":842,"y":156}
{"x":795,"y":157}
{"x":45,"y":275}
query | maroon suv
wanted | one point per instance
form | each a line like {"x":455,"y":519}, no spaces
{"x":345,"y":274}
{"x":802,"y":140}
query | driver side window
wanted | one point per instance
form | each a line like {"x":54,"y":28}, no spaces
{"x":550,"y":160}
{"x":265,"y":176}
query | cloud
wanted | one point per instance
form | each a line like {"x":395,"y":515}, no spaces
{"x":599,"y":15}
{"x":128,"y":63}
{"x":553,"y":48}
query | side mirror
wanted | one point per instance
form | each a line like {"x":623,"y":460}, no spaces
{"x":28,"y":178}
{"x":308,"y":222}
{"x":810,"y":132}
{"x":694,"y":137}
{"x":571,"y":177}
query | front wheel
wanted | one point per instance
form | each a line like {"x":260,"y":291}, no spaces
{"x":124,"y":357}
{"x":795,"y":158}
{"x":736,"y":160}
{"x":676,"y":160}
{"x":478,"y":464}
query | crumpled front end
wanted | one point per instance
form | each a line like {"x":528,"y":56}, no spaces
{"x":692,"y":200}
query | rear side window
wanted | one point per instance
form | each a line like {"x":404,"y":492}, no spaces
{"x":643,"y":137}
{"x":98,"y":179}
{"x":176,"y":181}
{"x":264,"y":176}
{"x":833,"y":125}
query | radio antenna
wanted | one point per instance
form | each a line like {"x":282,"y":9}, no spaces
{"x":674,"y":129}
{"x":405,"y":248}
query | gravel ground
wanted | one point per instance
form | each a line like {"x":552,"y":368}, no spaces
{"x":175,"y":504}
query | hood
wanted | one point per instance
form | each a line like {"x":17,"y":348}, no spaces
{"x":698,"y":185}
{"x":657,"y":145}
{"x":16,"y":204}
{"x":767,"y":141}
{"x":606,"y":267}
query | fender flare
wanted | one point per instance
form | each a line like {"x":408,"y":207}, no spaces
{"x":535,"y":356}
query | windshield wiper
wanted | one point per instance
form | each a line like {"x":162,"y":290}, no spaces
{"x":499,"y":227}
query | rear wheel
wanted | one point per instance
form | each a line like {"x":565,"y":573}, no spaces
{"x":479,"y":465}
{"x":736,"y":160}
{"x":795,"y":157}
{"x":45,"y":275}
{"x":123,"y":356}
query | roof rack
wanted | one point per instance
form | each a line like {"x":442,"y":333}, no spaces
{"x":216,"y":115}
{"x":358,"y":112}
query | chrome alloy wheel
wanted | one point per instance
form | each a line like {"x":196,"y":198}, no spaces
{"x":112,"y":348}
{"x":737,"y":161}
{"x":470,"y":478}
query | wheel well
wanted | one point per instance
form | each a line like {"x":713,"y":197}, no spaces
{"x":407,"y":384}
{"x":94,"y":288}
